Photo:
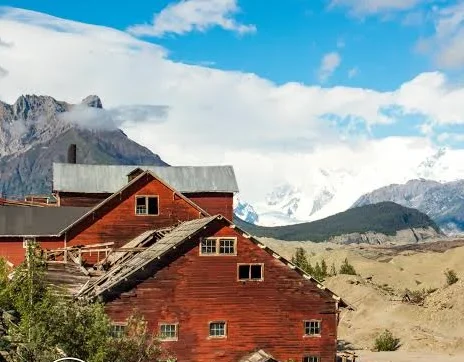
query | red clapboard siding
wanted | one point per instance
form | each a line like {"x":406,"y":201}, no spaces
{"x":214,"y":202}
{"x":12,"y":250}
{"x":80,"y":199}
{"x":194,"y":290}
{"x":116,"y":221}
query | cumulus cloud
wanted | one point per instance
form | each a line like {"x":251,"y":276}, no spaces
{"x":447,"y":44}
{"x":89,"y":117}
{"x":329,"y":64}
{"x":268,"y":132}
{"x":4,"y":43}
{"x":353,"y":72}
{"x":194,"y":15}
{"x":140,"y":114}
{"x":369,"y":7}
{"x":3,"y":72}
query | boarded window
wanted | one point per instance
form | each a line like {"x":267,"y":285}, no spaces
{"x":312,"y":328}
{"x":250,"y":272}
{"x":168,"y":332}
{"x":146,"y":205}
{"x":217,"y":329}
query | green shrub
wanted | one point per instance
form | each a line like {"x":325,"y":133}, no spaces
{"x":451,"y":277}
{"x":347,"y":268}
{"x":386,"y":341}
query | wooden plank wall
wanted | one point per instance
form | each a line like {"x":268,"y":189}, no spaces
{"x":214,"y":202}
{"x":116,"y":222}
{"x":11,"y":249}
{"x":80,"y":199}
{"x":194,"y":290}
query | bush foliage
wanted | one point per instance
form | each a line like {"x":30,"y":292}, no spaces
{"x":319,"y":271}
{"x":386,"y":341}
{"x":40,"y":325}
{"x":451,"y":277}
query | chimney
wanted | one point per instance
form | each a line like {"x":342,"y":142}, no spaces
{"x":72,"y":153}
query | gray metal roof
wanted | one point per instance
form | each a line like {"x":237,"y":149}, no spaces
{"x":138,"y":261}
{"x":37,"y":221}
{"x":111,"y":178}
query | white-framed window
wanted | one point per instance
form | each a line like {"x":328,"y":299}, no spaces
{"x":218,"y":329}
{"x":208,"y":246}
{"x":147,"y":205}
{"x":248,"y":272}
{"x":312,"y":328}
{"x":218,"y":246}
{"x":168,"y":331}
{"x":311,"y":359}
{"x":27,"y":241}
{"x":118,"y":329}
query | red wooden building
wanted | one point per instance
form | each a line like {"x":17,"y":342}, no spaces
{"x":144,"y":203}
{"x":214,"y":293}
{"x":211,"y":291}
{"x":210,"y":187}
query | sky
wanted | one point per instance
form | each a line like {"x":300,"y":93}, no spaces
{"x":279,"y":89}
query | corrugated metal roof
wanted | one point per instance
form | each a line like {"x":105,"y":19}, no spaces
{"x":110,"y":178}
{"x":37,"y":221}
{"x":138,"y":261}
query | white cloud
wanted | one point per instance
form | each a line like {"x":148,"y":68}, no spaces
{"x":447,"y":44}
{"x":353,"y":72}
{"x":369,"y":7}
{"x":196,"y":115}
{"x":329,"y":64}
{"x":3,"y":72}
{"x":194,"y":15}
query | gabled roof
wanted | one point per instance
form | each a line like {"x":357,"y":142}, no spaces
{"x":18,"y":221}
{"x":55,"y":221}
{"x":126,"y":186}
{"x":110,"y":178}
{"x":171,"y":241}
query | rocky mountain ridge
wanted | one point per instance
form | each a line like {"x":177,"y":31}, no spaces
{"x":443,"y":202}
{"x":36,"y":131}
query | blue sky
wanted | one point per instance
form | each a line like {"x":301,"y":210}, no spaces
{"x":291,"y":38}
{"x":368,"y":88}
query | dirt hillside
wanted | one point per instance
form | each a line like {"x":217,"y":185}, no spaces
{"x":384,"y":273}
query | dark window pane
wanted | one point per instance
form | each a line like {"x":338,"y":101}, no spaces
{"x":140,"y":201}
{"x":243,"y":271}
{"x":153,"y":206}
{"x":256,"y":272}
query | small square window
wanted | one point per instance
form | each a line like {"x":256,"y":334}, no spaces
{"x":118,"y":330}
{"x":311,"y":359}
{"x":208,"y":246}
{"x":312,"y":328}
{"x":250,"y":272}
{"x":168,"y":332}
{"x":217,"y":329}
{"x":226,"y":246}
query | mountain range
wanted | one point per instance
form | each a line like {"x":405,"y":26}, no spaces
{"x":36,"y":131}
{"x":443,"y":202}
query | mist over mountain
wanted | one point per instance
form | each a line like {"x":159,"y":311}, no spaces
{"x":36,"y":131}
